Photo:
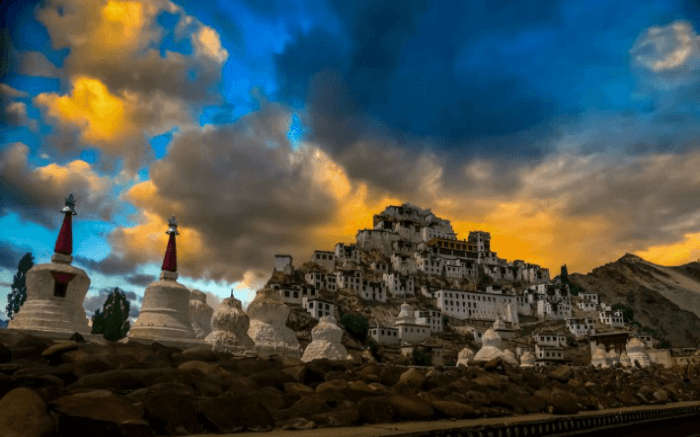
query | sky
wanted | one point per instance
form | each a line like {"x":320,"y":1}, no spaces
{"x":569,"y":130}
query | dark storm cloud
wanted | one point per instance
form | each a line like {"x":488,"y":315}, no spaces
{"x":10,"y":255}
{"x":140,"y":279}
{"x":111,"y":265}
{"x":37,"y":193}
{"x":245,"y":191}
{"x":93,"y":302}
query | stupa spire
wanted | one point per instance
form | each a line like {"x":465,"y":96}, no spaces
{"x":170,"y":258}
{"x":64,"y":242}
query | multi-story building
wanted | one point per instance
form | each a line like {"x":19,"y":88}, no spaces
{"x":385,"y":336}
{"x":325,"y":259}
{"x":430,"y":318}
{"x":550,"y":339}
{"x":463,"y":305}
{"x":614,"y":319}
{"x":581,"y":327}
{"x":588,"y":301}
{"x":350,"y":279}
{"x":545,"y":355}
{"x":399,"y":285}
{"x":318,"y":307}
{"x":410,"y":331}
{"x":373,"y":290}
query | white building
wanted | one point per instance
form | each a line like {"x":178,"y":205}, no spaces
{"x":283,"y":263}
{"x":554,"y":308}
{"x":477,"y":305}
{"x":550,"y":339}
{"x":581,"y":327}
{"x":430,"y":318}
{"x":588,"y":301}
{"x":373,"y":290}
{"x":399,"y":285}
{"x":349,"y":279}
{"x":347,"y":253}
{"x":379,"y":239}
{"x":410,"y":331}
{"x":385,"y":336}
{"x":294,"y":293}
{"x":325,"y":259}
{"x":614,"y":319}
{"x":548,"y":354}
{"x":403,"y":264}
{"x":430,"y":265}
{"x":318,"y":307}
{"x":321,"y":280}
{"x":457,"y":269}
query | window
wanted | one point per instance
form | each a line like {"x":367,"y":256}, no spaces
{"x":60,"y":288}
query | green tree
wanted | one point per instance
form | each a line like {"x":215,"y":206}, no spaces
{"x":113,"y":321}
{"x":356,"y":325}
{"x":564,"y":275}
{"x":18,"y":293}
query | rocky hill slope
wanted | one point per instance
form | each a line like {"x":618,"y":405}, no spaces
{"x":664,"y":301}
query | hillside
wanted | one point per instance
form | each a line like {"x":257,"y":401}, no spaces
{"x":663,"y":300}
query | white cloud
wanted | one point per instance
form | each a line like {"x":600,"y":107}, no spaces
{"x":667,"y":48}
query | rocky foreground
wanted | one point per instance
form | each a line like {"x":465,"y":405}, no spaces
{"x":73,"y":388}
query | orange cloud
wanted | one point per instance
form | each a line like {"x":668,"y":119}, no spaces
{"x":674,"y":254}
{"x":101,"y":116}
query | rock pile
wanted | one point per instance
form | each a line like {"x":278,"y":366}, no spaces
{"x":325,"y":342}
{"x":150,"y":389}
{"x":230,"y":328}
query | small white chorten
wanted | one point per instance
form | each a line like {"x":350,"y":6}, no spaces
{"x":599,"y":358}
{"x":56,"y":290}
{"x":464,"y":356}
{"x":625,"y":359}
{"x":491,"y":346}
{"x":509,"y":357}
{"x":637,"y":352}
{"x":325,"y":342}
{"x":268,"y":329}
{"x":230,"y":328}
{"x":527,"y":359}
{"x":200,"y":314}
{"x":165,"y":311}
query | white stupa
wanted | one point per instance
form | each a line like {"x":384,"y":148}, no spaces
{"x":56,"y":290}
{"x":464,"y":357}
{"x":230,"y":328}
{"x":637,"y":352}
{"x":490,"y":346}
{"x":268,"y":329}
{"x":527,"y":359}
{"x":509,"y":357}
{"x":165,"y":311}
{"x":625,"y":359}
{"x":200,"y":314}
{"x":599,"y":358}
{"x":326,"y":342}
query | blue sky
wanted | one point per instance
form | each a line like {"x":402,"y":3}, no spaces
{"x":269,"y":126}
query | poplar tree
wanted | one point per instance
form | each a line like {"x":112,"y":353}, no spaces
{"x":18,"y":293}
{"x":113,"y":321}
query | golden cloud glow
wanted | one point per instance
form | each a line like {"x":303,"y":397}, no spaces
{"x":207,"y":42}
{"x":100,"y":115}
{"x":55,"y":174}
{"x":121,"y":26}
{"x":674,"y":254}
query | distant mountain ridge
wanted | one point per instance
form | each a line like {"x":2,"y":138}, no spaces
{"x":664,"y":300}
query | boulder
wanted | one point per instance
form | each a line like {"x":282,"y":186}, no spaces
{"x":451,"y":409}
{"x":412,"y":378}
{"x":230,"y":327}
{"x":99,"y":412}
{"x":326,"y":342}
{"x":53,"y":353}
{"x":200,"y":314}
{"x":411,"y":407}
{"x":170,"y":408}
{"x":561,"y":374}
{"x":375,"y":410}
{"x":23,"y":414}
{"x":233,"y":413}
{"x":268,"y":315}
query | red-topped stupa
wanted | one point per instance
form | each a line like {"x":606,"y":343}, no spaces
{"x":56,"y":290}
{"x":164,"y":315}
